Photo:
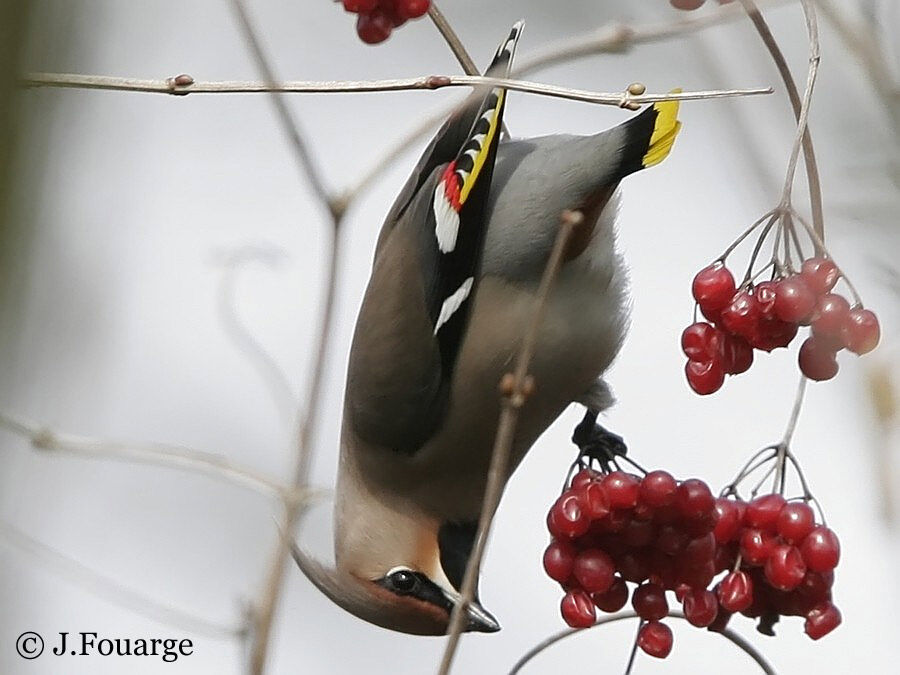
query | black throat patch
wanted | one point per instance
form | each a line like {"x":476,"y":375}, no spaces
{"x":455,"y":542}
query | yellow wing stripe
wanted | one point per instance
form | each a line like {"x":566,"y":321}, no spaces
{"x":664,"y":131}
{"x":469,"y":183}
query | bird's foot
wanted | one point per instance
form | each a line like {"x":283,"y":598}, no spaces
{"x":597,"y":444}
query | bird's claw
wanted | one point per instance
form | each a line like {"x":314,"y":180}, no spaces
{"x":597,"y":443}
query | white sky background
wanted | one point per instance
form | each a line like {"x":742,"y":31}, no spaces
{"x":144,"y":195}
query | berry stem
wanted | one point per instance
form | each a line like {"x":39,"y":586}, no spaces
{"x":727,"y":633}
{"x":746,"y":470}
{"x":634,"y":647}
{"x":773,"y":216}
{"x":820,"y":246}
{"x":746,"y":233}
{"x":762,"y":480}
{"x":795,"y":414}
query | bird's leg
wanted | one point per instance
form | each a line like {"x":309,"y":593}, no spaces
{"x":596,"y":443}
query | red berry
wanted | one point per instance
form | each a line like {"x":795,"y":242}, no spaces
{"x":622,"y":489}
{"x":412,"y":9}
{"x":583,"y":477}
{"x":694,"y":500}
{"x":737,"y":355}
{"x":735,"y":591}
{"x":374,"y":27}
{"x":785,"y":568}
{"x":639,"y":533}
{"x":765,"y":298}
{"x":655,"y":638}
{"x":756,"y":546}
{"x":613,"y":599}
{"x":657,"y":489}
{"x":795,"y":521}
{"x":705,"y":378}
{"x":728,"y":520}
{"x":816,"y":360}
{"x":821,"y":620}
{"x":713,"y":287}
{"x":773,"y":333}
{"x":741,"y":316}
{"x":820,"y":274}
{"x":762,"y":512}
{"x":686,"y":4}
{"x":700,"y":607}
{"x":700,"y":550}
{"x":634,"y":566}
{"x":702,"y":342}
{"x":671,"y":540}
{"x":821,"y":549}
{"x":594,"y":500}
{"x":649,"y":601}
{"x":831,"y":316}
{"x":594,"y":570}
{"x":567,"y":518}
{"x":816,"y":586}
{"x":360,"y":6}
{"x":794,"y":301}
{"x":861,"y":331}
{"x":578,"y":609}
{"x":558,"y":560}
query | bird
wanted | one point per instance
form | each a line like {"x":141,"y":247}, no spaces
{"x":452,"y":288}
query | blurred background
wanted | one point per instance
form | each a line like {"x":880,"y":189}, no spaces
{"x":144,"y":238}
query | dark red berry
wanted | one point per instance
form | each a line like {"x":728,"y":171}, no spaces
{"x":817,"y":361}
{"x":374,"y":27}
{"x":713,"y":287}
{"x":360,"y":6}
{"x":816,"y":586}
{"x":622,"y":489}
{"x":773,"y":333}
{"x":735,"y":591}
{"x":649,"y":601}
{"x":639,"y":533}
{"x":594,"y":500}
{"x":657,"y":489}
{"x":705,"y":378}
{"x":821,"y":620}
{"x":558,"y":560}
{"x":655,"y":638}
{"x":831,"y":316}
{"x":741,"y":316}
{"x":700,"y":550}
{"x":820,"y":274}
{"x":737,"y":355}
{"x":584,"y":477}
{"x":412,"y":9}
{"x":795,"y":521}
{"x":694,"y":500}
{"x":762,"y":512}
{"x":700,"y":607}
{"x":593,"y":570}
{"x":794,"y":301}
{"x":861,"y":332}
{"x":702,"y":342}
{"x":821,"y":549}
{"x":728,"y":520}
{"x":614,"y":598}
{"x":765,"y":298}
{"x":756,"y":546}
{"x":578,"y":609}
{"x":567,"y":518}
{"x":785,"y":568}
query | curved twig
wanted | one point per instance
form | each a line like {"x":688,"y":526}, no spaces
{"x":728,"y":633}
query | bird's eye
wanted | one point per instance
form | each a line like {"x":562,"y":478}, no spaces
{"x":403,"y":581}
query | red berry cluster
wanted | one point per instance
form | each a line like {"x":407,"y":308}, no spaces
{"x":378,"y":18}
{"x":782,"y":563}
{"x":768,"y":315}
{"x":665,"y":535}
{"x":609,"y":529}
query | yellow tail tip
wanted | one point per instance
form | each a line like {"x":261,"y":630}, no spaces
{"x":665,"y":130}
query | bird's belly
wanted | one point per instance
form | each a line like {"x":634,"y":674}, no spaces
{"x":580,"y":335}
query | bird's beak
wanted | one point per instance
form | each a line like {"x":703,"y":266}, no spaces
{"x":481,"y":620}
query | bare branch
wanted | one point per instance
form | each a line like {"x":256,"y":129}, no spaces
{"x":159,"y":454}
{"x":428,"y":82}
{"x":812,"y":169}
{"x":452,"y":40}
{"x":515,"y":389}
{"x":264,"y":611}
{"x":109,"y":589}
{"x":728,"y":633}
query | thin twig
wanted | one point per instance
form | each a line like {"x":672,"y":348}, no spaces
{"x":634,"y":647}
{"x":515,"y":387}
{"x":271,"y":374}
{"x":452,"y":39}
{"x":812,"y":169}
{"x":427,"y":82}
{"x":159,"y":454}
{"x":271,"y":594}
{"x":727,"y":633}
{"x":112,"y":591}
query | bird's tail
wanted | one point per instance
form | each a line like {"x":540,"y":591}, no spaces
{"x":649,"y":137}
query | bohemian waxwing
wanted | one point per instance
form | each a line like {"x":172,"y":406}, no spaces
{"x":456,"y":268}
